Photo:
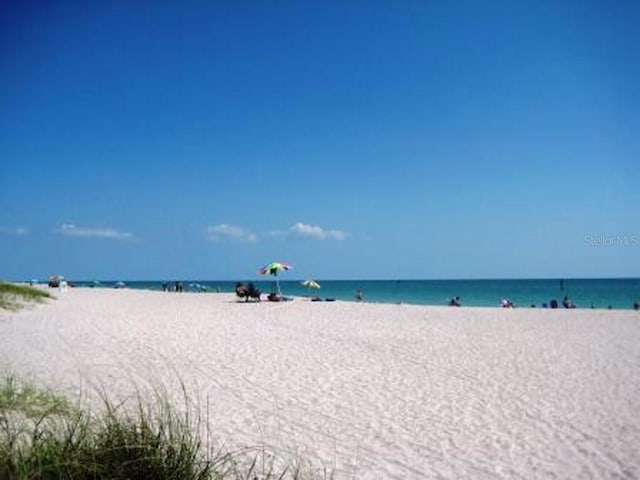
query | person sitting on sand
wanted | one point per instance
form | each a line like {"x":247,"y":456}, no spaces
{"x":636,"y":305}
{"x":568,"y":303}
{"x":455,"y":302}
{"x":507,"y":303}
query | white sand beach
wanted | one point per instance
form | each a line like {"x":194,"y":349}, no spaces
{"x":368,"y":391}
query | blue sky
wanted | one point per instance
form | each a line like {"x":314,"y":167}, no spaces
{"x":150,"y":140}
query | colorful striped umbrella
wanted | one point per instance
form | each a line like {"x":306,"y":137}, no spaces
{"x":273,"y":269}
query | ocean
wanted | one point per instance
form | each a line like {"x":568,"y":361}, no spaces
{"x":585,"y":293}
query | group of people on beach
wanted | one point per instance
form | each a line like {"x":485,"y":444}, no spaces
{"x":175,"y":287}
{"x":453,"y":302}
{"x":553,"y":303}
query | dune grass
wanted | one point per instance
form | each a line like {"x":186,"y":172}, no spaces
{"x":45,"y":436}
{"x":13,"y":296}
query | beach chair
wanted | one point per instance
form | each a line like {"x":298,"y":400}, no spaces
{"x":248,"y":292}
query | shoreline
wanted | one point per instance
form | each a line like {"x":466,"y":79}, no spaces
{"x":299,"y":297}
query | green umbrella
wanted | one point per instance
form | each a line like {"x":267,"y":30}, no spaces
{"x":273,"y":269}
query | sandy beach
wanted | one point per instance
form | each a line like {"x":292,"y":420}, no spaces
{"x":369,"y":391}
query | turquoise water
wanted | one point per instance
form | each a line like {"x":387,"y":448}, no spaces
{"x":585,"y":293}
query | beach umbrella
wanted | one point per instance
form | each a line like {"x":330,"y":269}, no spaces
{"x":54,"y":280}
{"x":274,"y":268}
{"x":310,"y":284}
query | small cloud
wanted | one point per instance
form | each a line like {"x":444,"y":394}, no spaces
{"x":230,"y":232}
{"x":72,"y":230}
{"x":311,"y":231}
{"x":14,"y":232}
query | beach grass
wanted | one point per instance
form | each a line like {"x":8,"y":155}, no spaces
{"x":45,"y":436}
{"x":13,"y":296}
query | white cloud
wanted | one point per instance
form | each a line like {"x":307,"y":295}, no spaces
{"x":14,"y":232}
{"x":72,"y":230}
{"x":312,"y":231}
{"x":225,"y":231}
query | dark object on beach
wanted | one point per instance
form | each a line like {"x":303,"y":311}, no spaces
{"x":253,"y":292}
{"x":553,"y":303}
{"x":247,"y":292}
{"x":636,"y":306}
{"x":568,"y":303}
{"x":319,"y":299}
{"x":359,"y":295}
{"x":274,"y":297}
{"x":455,"y":302}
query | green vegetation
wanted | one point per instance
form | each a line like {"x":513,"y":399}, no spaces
{"x":43,"y":436}
{"x":13,"y":296}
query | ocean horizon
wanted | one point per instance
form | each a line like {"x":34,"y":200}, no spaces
{"x":615,"y":293}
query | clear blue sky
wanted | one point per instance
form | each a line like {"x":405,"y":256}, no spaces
{"x":149,"y":140}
